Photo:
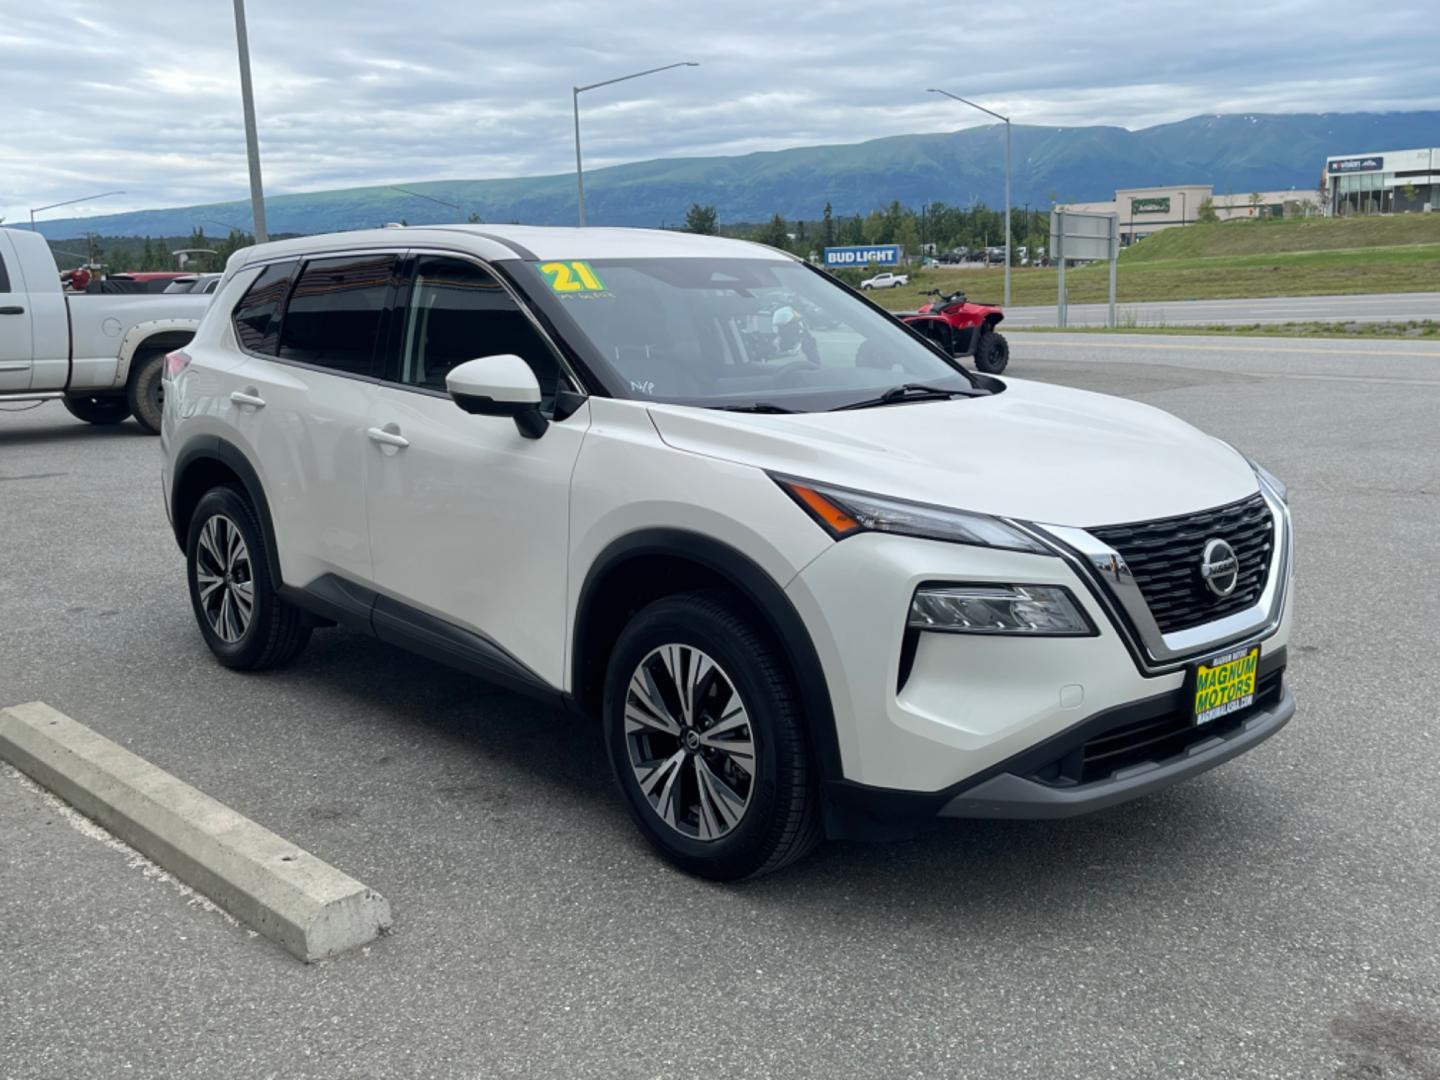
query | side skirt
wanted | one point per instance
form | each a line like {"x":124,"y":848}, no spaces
{"x":356,"y":608}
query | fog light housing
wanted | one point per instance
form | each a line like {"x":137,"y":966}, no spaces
{"x":1028,"y":610}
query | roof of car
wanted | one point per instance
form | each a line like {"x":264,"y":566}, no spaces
{"x":528,"y":242}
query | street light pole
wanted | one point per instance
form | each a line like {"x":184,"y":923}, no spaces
{"x":69,"y":202}
{"x":575,"y":92}
{"x":252,"y":140}
{"x":1006,"y":119}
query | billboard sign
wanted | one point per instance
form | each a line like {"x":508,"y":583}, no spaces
{"x":863,"y":255}
{"x":1150,"y":206}
{"x":1356,"y":164}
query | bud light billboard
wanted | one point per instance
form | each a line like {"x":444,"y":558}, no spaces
{"x":863,"y":255}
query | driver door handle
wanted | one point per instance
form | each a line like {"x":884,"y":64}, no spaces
{"x":12,"y":309}
{"x":240,"y":397}
{"x":387,"y":438}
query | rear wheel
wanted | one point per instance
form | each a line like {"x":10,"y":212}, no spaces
{"x":992,"y":352}
{"x":241,"y":616}
{"x":146,"y":391}
{"x":98,"y":410}
{"x":704,"y":732}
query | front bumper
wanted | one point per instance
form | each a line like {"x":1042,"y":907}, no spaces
{"x":1011,"y":795}
{"x":936,"y":729}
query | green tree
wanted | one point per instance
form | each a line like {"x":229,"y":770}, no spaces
{"x":701,"y":219}
{"x":827,"y":228}
{"x":775,"y":234}
{"x":474,"y":219}
{"x":1206,"y":212}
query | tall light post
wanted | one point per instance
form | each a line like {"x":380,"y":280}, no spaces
{"x":69,"y":202}
{"x":252,"y":140}
{"x":576,"y":91}
{"x":1006,"y":119}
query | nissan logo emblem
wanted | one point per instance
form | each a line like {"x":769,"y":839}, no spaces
{"x":1219,"y":567}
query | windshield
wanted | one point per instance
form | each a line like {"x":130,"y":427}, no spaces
{"x":731,"y":333}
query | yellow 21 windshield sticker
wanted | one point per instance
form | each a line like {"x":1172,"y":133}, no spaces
{"x":575,"y":276}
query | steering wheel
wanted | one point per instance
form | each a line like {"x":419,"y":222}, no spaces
{"x":783,"y":374}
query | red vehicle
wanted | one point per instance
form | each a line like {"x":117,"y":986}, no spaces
{"x":963,"y":328}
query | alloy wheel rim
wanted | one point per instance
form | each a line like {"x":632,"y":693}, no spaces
{"x":224,"y":578}
{"x":690,"y":742}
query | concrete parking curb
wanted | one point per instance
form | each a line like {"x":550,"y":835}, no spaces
{"x":302,"y":903}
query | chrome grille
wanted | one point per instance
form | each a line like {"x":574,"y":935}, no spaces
{"x":1165,"y":555}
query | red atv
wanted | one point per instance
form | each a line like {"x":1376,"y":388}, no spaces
{"x":963,"y":328}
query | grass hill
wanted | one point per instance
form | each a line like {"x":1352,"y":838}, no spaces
{"x":1300,"y":257}
{"x":1235,"y":153}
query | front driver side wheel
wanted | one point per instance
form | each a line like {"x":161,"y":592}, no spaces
{"x":704,"y":731}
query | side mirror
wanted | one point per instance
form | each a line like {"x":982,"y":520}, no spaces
{"x":500,"y":385}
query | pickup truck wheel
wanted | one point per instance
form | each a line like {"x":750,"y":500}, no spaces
{"x":98,"y":410}
{"x":243,"y":619}
{"x":145,"y":392}
{"x":704,"y":732}
{"x":992,"y":353}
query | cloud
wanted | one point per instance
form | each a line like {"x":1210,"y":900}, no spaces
{"x":144,"y":97}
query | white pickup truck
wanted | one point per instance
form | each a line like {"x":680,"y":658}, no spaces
{"x":102,"y":356}
{"x":887,"y":280}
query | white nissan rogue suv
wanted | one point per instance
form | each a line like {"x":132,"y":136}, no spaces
{"x":813,"y":577}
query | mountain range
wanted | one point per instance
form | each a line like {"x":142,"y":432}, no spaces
{"x":1235,"y":153}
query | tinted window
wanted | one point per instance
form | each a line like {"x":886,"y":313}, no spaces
{"x":334,"y":312}
{"x":4,"y":277}
{"x":458,"y":312}
{"x":255,"y":316}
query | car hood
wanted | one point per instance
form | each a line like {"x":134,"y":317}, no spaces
{"x":1035,"y":451}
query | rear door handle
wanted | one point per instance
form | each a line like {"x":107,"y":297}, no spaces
{"x":386,"y":437}
{"x":13,"y":309}
{"x":240,"y":397}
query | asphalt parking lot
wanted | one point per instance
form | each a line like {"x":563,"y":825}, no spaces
{"x":1274,"y":918}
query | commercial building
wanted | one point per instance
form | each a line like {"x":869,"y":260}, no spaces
{"x":1390,"y":182}
{"x":1143,"y":211}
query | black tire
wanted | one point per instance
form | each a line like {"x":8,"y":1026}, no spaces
{"x":992,"y":353}
{"x":98,"y":410}
{"x":781,"y":821}
{"x":276,"y":631}
{"x":145,"y":391}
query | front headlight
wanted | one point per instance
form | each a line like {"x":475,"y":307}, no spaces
{"x":1038,"y":610}
{"x":842,"y":512}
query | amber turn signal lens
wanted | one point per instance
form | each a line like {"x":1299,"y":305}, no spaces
{"x":823,"y":510}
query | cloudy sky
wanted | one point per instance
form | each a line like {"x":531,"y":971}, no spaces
{"x":142,"y":95}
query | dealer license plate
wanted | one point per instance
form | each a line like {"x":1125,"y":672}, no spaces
{"x":1225,"y":684}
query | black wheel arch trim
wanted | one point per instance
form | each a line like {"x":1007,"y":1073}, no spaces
{"x":764,"y":594}
{"x":213,"y":448}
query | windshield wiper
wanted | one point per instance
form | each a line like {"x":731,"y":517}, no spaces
{"x":911,"y":392}
{"x":756,"y":407}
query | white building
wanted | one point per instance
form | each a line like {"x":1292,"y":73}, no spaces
{"x":1390,"y":182}
{"x":1143,"y":211}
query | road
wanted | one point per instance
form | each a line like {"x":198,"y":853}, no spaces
{"x":1391,"y":307}
{"x":1275,"y":918}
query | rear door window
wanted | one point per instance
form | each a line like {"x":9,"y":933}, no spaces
{"x":257,"y":321}
{"x":4,"y":276}
{"x":334,"y":314}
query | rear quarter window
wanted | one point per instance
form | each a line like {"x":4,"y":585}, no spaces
{"x":257,"y":323}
